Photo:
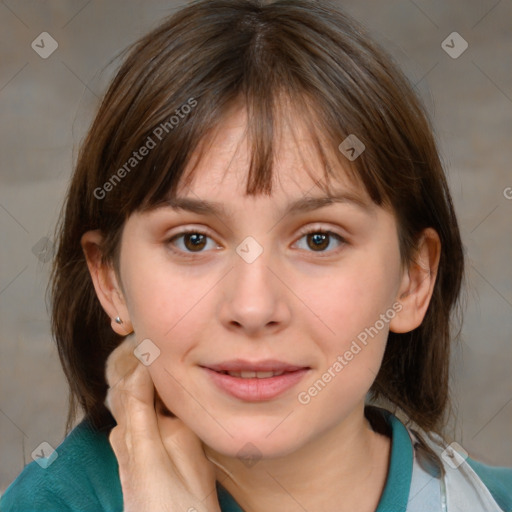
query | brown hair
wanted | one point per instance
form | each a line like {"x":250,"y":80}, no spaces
{"x":214,"y":54}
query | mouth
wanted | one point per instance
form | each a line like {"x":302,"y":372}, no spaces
{"x":248,"y":374}
{"x":255,"y":381}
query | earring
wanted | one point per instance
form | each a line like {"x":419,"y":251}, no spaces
{"x":118,"y":320}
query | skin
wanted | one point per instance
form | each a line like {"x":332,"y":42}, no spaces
{"x":295,"y":303}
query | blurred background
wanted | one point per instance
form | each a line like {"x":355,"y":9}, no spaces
{"x":56,"y":59}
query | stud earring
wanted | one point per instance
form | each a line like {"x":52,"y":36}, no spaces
{"x":118,"y":320}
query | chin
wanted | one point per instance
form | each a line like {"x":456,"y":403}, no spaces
{"x":251,"y":441}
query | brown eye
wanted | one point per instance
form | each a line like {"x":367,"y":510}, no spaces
{"x":319,"y":240}
{"x":193,"y":241}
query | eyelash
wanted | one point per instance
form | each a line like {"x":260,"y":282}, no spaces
{"x":302,"y":233}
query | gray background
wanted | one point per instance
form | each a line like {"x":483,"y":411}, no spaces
{"x":47,"y":104}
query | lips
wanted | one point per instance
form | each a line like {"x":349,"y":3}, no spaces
{"x":249,"y":374}
{"x":242,"y":365}
{"x":255,"y":381}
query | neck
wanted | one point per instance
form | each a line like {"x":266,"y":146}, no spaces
{"x":345,"y":468}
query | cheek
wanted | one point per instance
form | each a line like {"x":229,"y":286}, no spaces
{"x":345,"y":304}
{"x":163,"y":297}
{"x":352,"y":314}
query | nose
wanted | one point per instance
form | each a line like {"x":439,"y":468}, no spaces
{"x":254,"y":299}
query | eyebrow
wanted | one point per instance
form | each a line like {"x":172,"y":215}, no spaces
{"x":302,"y":205}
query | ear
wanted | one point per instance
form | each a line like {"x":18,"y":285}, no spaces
{"x":417,"y":283}
{"x":105,"y":283}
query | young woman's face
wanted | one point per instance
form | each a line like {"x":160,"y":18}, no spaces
{"x":251,"y":288}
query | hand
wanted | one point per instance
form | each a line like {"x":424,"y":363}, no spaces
{"x":162,"y":465}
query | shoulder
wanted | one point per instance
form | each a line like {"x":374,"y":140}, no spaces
{"x":82,"y":475}
{"x":470,"y":483}
{"x":497,"y":479}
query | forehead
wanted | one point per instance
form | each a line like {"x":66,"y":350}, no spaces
{"x":218,"y":170}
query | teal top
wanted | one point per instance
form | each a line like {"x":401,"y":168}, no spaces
{"x":84,"y":477}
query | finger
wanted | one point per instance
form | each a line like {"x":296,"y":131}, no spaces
{"x":121,"y":361}
{"x":145,"y":436}
{"x":131,"y":400}
{"x":131,"y":389}
{"x":185,"y":450}
{"x":176,"y":437}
